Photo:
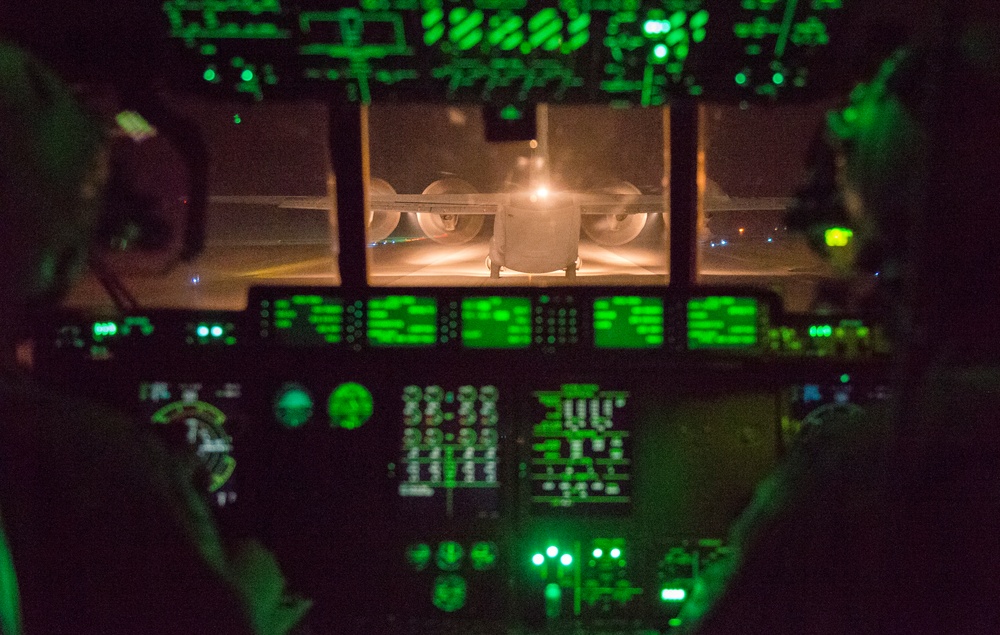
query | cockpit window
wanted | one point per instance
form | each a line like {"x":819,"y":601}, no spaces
{"x":584,"y":202}
{"x":269,"y":218}
{"x":581,"y":203}
{"x":755,"y":161}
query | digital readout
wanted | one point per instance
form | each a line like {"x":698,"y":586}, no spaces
{"x":306,"y":319}
{"x":449,"y":448}
{"x":496,"y":322}
{"x":628,"y":322}
{"x":402,"y":320}
{"x":721,"y":322}
{"x":580,"y":454}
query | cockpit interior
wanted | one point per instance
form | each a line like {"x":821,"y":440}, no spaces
{"x":484,"y":316}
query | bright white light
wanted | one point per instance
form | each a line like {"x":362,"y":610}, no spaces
{"x":542,"y":192}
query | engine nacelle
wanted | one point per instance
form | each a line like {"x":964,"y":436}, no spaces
{"x":618,"y":227}
{"x":450,"y":229}
{"x":380,"y":224}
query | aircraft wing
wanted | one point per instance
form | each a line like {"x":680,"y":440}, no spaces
{"x":431,"y":204}
{"x":489,"y":204}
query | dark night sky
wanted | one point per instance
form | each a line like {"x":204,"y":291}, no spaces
{"x":280,"y":149}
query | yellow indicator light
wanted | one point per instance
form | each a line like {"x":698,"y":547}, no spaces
{"x":838,"y":236}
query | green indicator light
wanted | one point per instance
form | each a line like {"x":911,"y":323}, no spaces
{"x":105,"y":329}
{"x":675,"y":622}
{"x":616,"y":553}
{"x":655,"y":27}
{"x":246,"y":75}
{"x":538,"y":559}
{"x":350,"y":406}
{"x":598,"y":552}
{"x":449,"y":593}
{"x":566,"y":559}
{"x":673,"y":595}
{"x":202,"y":330}
{"x":449,"y":555}
{"x":660,"y":51}
{"x":552,"y":551}
{"x":742,"y":79}
{"x":821,"y":330}
{"x":838,"y":236}
{"x":210,"y":75}
{"x":483,"y":556}
{"x":511,"y":113}
{"x":845,"y":378}
{"x":678,"y":19}
{"x":237,"y":119}
{"x":778,"y":79}
{"x":419,"y":555}
{"x":216,"y":331}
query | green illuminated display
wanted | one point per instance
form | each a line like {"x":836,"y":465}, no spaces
{"x":628,"y":322}
{"x":449,"y":555}
{"x":496,"y":322}
{"x":640,"y":51}
{"x":449,"y":450}
{"x":419,"y":555}
{"x":132,"y":325}
{"x":483,"y":556}
{"x":721,"y":322}
{"x":449,"y":592}
{"x":293,"y":406}
{"x":206,"y":434}
{"x":402,"y":320}
{"x":306,"y":319}
{"x":580,"y":456}
{"x":350,"y":406}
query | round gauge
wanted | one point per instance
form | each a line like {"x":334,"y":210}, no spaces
{"x":201,"y":425}
{"x":293,"y":406}
{"x":483,"y":555}
{"x":449,"y":555}
{"x":350,"y":406}
{"x":418,"y":555}
{"x":449,"y":592}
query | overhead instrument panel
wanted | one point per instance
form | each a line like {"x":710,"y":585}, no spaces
{"x":505,"y":53}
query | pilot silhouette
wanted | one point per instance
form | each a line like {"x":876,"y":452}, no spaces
{"x":105,"y":532}
{"x":886,"y":522}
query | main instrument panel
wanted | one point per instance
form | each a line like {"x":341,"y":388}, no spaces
{"x":447,"y":460}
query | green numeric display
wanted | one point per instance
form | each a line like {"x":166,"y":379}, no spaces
{"x":496,"y":322}
{"x":402,"y":320}
{"x":628,"y":322}
{"x":722,"y":322}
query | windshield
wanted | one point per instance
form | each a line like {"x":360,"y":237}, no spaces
{"x":584,"y":202}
